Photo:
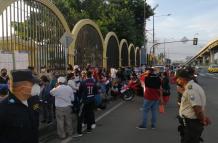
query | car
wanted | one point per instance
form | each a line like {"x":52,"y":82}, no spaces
{"x":159,"y":68}
{"x":213,"y":68}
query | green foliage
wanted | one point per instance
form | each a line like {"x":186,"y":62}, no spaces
{"x":124,"y":17}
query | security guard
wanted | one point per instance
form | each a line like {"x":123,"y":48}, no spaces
{"x":18,"y":120}
{"x":192,"y":109}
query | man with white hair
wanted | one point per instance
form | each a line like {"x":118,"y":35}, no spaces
{"x":63,"y":101}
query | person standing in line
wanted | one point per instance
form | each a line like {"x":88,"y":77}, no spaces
{"x":165,"y":87}
{"x":46,"y":100}
{"x":87,"y":91}
{"x":152,"y":96}
{"x":64,"y":97}
{"x":192,"y":116}
{"x":18,"y":121}
{"x":3,"y":91}
{"x":4,"y":76}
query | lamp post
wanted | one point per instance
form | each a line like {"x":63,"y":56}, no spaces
{"x":154,"y":31}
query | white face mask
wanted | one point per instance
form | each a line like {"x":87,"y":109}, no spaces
{"x":42,"y":70}
{"x":35,"y":90}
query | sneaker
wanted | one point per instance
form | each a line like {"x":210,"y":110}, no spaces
{"x":141,"y":127}
{"x":89,"y":131}
{"x":77,"y":135}
{"x":153,"y":127}
{"x":93,"y":126}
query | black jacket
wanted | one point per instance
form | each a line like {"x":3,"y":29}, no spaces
{"x":17,"y":122}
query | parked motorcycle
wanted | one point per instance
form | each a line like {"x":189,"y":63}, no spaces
{"x":124,"y":90}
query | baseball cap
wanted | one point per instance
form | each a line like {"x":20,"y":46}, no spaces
{"x":22,"y":75}
{"x":61,"y":79}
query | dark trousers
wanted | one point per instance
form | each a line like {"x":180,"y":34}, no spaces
{"x":86,"y":115}
{"x":192,"y":130}
{"x":47,"y":111}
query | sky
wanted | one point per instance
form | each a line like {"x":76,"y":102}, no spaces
{"x":189,"y":18}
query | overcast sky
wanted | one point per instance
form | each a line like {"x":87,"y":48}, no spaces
{"x":188,"y":18}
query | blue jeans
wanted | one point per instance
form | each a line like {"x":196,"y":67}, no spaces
{"x":147,"y":106}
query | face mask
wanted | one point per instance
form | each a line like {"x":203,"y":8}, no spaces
{"x":35,"y":90}
{"x":42,"y":70}
{"x":4,"y":74}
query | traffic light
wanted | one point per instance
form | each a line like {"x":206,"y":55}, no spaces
{"x":195,"y":41}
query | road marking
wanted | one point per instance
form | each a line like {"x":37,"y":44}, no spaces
{"x":109,"y":111}
{"x":68,"y":140}
{"x":202,"y":74}
{"x":215,"y":77}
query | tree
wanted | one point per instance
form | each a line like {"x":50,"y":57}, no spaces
{"x":124,"y":17}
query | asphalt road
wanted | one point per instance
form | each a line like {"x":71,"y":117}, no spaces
{"x":118,"y":123}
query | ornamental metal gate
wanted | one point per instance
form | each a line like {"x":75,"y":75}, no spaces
{"x":88,"y":47}
{"x":132,"y":56}
{"x":124,"y":55}
{"x":112,"y":53}
{"x":29,"y":35}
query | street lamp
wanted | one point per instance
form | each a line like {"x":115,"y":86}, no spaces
{"x":154,"y":30}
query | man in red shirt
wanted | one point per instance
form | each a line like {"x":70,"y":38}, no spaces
{"x":152,"y":95}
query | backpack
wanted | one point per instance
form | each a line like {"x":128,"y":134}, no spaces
{"x":153,"y":81}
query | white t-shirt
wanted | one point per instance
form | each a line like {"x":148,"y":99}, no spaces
{"x":63,"y":95}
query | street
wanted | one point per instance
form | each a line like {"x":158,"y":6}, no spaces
{"x":118,"y":123}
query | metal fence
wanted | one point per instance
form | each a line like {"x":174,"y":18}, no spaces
{"x":30,"y":28}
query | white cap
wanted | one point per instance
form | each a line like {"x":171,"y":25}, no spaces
{"x":76,"y":67}
{"x":61,"y":79}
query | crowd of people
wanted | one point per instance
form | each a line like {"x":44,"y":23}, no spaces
{"x":33,"y":98}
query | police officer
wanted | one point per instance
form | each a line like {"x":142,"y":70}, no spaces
{"x":18,"y":123}
{"x":192,"y":109}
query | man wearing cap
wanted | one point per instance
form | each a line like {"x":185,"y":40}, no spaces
{"x":192,"y":109}
{"x":64,"y":97}
{"x":18,"y":123}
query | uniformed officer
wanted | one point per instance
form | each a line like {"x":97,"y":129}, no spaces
{"x":18,"y":121}
{"x":192,"y":109}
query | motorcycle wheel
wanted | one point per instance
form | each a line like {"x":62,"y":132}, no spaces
{"x":128,"y":95}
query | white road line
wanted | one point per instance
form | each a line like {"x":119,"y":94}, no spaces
{"x":202,"y":74}
{"x":215,"y":77}
{"x":109,"y":111}
{"x":68,"y":140}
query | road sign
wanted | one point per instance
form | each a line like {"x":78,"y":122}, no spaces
{"x":66,"y":39}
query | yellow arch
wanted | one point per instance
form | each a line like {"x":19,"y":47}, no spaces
{"x":79,"y":25}
{"x":5,"y":3}
{"x":107,"y":38}
{"x":129,"y":50}
{"x":138,"y":49}
{"x":123,"y":41}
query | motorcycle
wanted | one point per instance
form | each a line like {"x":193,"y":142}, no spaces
{"x":124,"y":90}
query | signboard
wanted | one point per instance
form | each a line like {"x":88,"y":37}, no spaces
{"x":6,"y":60}
{"x":66,"y":39}
{"x":21,"y":60}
